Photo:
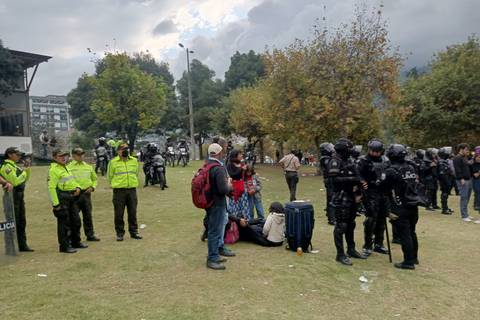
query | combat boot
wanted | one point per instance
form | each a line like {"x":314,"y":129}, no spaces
{"x":344,"y":260}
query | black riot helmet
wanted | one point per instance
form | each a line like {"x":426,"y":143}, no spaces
{"x":376,"y":145}
{"x":343,"y":147}
{"x":420,"y":153}
{"x":396,"y":152}
{"x":327,"y":149}
{"x":444,"y":153}
{"x":429,"y":154}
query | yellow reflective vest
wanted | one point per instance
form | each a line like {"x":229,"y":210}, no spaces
{"x":13,"y":173}
{"x":60,"y":178}
{"x":84,"y":174}
{"x":123,"y":174}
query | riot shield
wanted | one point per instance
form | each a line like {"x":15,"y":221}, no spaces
{"x":8,"y":236}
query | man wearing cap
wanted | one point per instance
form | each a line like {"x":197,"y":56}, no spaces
{"x":64,"y":190}
{"x":217,"y":213}
{"x":87,"y":179}
{"x":122,"y":173}
{"x":17,"y":177}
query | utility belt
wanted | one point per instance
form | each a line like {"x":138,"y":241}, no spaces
{"x":290,"y":173}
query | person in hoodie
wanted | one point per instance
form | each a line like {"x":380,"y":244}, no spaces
{"x":274,"y":227}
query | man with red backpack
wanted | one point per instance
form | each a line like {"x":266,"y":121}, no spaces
{"x":216,"y":188}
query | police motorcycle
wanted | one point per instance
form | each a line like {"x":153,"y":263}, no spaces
{"x":155,"y":168}
{"x":182,"y":153}
{"x":170,"y":156}
{"x":101,"y":155}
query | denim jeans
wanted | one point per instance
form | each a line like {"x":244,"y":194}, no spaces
{"x":476,"y":190}
{"x":256,"y":203}
{"x":465,"y":193}
{"x":217,"y":217}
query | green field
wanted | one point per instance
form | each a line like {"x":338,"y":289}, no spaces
{"x":164,"y":276}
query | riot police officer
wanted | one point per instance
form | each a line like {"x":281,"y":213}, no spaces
{"x":428,"y":175}
{"x":326,"y":152}
{"x":402,"y":178}
{"x":445,"y":175}
{"x":372,"y":169}
{"x":418,"y":159}
{"x":17,"y":177}
{"x":343,"y":176}
{"x":101,"y":150}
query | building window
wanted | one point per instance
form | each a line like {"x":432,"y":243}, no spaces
{"x":11,"y":124}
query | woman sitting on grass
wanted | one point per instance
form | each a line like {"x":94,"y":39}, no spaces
{"x":269,"y":233}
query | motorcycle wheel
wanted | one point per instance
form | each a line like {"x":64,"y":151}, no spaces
{"x":161,"y":179}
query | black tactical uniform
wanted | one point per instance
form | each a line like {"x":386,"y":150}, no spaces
{"x":402,"y":178}
{"x":326,"y":152}
{"x":445,"y":175}
{"x":372,"y":169}
{"x":344,"y":178}
{"x":428,"y":176}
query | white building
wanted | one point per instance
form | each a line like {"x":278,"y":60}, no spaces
{"x":50,"y":113}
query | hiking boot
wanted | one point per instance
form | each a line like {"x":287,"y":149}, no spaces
{"x":68,"y":250}
{"x":136,"y":236}
{"x":344,"y":260}
{"x":80,"y":245}
{"x":119,"y":237}
{"x":355,"y":254}
{"x":367,"y":252}
{"x":446,"y":211}
{"x":226,"y":252}
{"x":403,"y":265}
{"x":380,"y":249}
{"x":215,"y":265}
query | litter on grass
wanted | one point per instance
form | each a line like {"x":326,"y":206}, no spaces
{"x":42,"y":275}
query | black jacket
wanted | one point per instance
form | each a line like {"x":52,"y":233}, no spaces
{"x":462,"y":168}
{"x":219,"y":185}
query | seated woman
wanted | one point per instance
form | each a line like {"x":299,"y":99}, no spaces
{"x":270,"y":233}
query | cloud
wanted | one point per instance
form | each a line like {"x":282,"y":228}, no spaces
{"x":165,"y":27}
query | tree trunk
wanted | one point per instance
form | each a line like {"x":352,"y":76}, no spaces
{"x":262,"y":151}
{"x":200,"y":150}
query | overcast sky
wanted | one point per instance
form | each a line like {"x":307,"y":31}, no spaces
{"x":214,"y":29}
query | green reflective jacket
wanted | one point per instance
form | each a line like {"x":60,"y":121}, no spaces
{"x":84,"y":174}
{"x":13,"y":173}
{"x":123,"y":174}
{"x":60,"y":178}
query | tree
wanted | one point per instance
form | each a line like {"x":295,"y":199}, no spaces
{"x":207,"y":95}
{"x":128,"y":98}
{"x":11,"y":72}
{"x":444,"y":103}
{"x":333,"y":85}
{"x":245,"y":69}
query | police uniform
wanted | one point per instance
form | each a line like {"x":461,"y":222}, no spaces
{"x":345,"y":180}
{"x":428,"y":177}
{"x":325,"y":157}
{"x":87,"y":179}
{"x":123,"y":177}
{"x":376,"y":201}
{"x":18,"y":178}
{"x":403,"y":178}
{"x":62,"y":186}
{"x":445,"y":175}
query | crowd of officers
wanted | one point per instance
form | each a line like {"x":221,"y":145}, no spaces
{"x":381,"y":185}
{"x":70,"y":185}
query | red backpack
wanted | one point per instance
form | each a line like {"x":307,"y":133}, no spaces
{"x":201,"y":197}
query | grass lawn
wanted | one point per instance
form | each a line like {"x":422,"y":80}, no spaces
{"x":164,"y":276}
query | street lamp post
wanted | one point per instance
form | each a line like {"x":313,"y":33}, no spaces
{"x":190,"y":105}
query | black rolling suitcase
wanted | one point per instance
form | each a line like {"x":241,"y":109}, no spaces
{"x":300,"y":221}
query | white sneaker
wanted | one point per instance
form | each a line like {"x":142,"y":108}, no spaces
{"x":467,"y":219}
{"x":476,"y":221}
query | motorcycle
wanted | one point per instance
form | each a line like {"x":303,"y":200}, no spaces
{"x":183,"y":156}
{"x":170,"y":156}
{"x":102,"y":160}
{"x":156,"y":171}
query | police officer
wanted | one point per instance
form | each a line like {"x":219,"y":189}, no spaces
{"x":101,"y":150}
{"x":372,"y":169}
{"x":326,"y":152}
{"x":87,"y":180}
{"x":17,"y":177}
{"x":402,"y":178}
{"x":445,"y":175}
{"x":428,"y":171}
{"x":346,"y":182}
{"x":183,"y":144}
{"x":64,"y":190}
{"x":418,"y":159}
{"x":122,"y":174}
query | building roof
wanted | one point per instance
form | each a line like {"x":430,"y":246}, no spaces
{"x":28,"y":59}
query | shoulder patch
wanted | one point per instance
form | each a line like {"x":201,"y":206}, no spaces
{"x":8,"y":170}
